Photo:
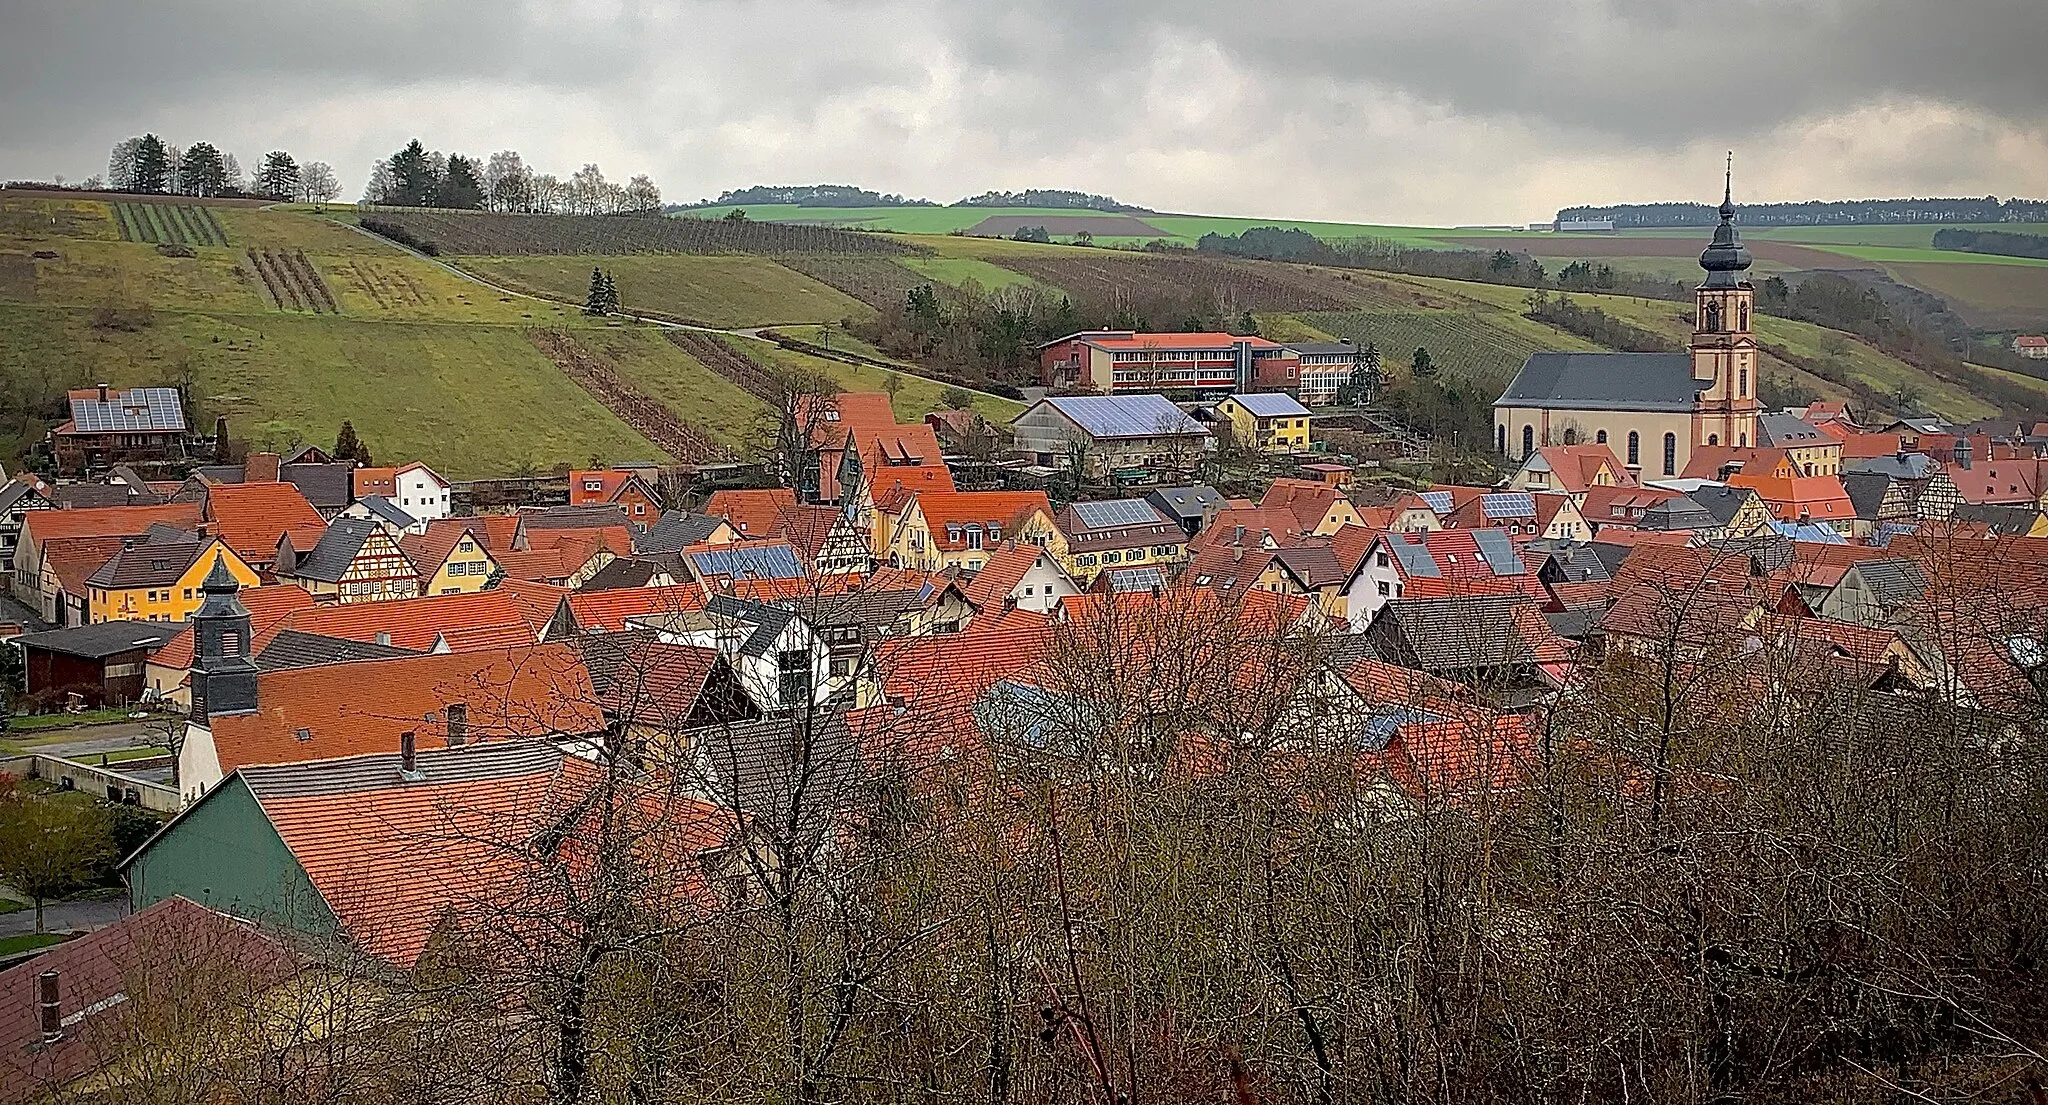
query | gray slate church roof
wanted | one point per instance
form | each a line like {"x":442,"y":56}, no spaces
{"x":1604,"y":381}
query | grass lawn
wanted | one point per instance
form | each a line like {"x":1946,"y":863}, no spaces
{"x":134,"y":274}
{"x":917,"y":396}
{"x":28,"y":942}
{"x":2004,"y":297}
{"x":470,"y":400}
{"x":711,"y":290}
{"x":959,"y":270}
{"x":9,"y":905}
{"x":1928,"y":255}
{"x":699,"y":396}
{"x":36,"y":723}
{"x":1888,"y":234}
{"x":945,"y":220}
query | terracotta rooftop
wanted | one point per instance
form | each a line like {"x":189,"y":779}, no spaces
{"x":113,"y":521}
{"x":251,"y":517}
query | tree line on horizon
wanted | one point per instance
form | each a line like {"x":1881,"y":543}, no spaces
{"x":847,"y":195}
{"x":415,"y":176}
{"x":1818,"y":212}
{"x":148,"y":165}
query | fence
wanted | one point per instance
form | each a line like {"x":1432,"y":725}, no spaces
{"x":97,"y":781}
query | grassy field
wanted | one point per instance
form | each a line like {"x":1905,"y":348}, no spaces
{"x":916,"y":396}
{"x":959,"y":270}
{"x":656,"y":367}
{"x":711,"y":290}
{"x":947,"y":220}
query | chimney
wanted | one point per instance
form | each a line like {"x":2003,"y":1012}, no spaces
{"x":262,"y":468}
{"x":103,"y":393}
{"x":458,"y":724}
{"x":49,"y":1015}
{"x":408,"y":756}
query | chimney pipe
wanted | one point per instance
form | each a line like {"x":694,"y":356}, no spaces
{"x":408,"y":754}
{"x":48,"y":1014}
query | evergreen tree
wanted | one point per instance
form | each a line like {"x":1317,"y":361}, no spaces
{"x":152,"y":171}
{"x":459,"y":186}
{"x":279,"y":176}
{"x":202,"y":172}
{"x":611,"y":293}
{"x":413,"y":179}
{"x":346,"y":443}
{"x":594,"y":303}
{"x":1421,"y":364}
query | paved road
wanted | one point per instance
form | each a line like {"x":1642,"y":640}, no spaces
{"x":59,"y":916}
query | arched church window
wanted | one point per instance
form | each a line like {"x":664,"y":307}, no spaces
{"x":1528,"y":440}
{"x":1714,"y":315}
{"x":1600,"y":436}
{"x":1502,"y":437}
{"x":1670,"y":454}
{"x":1635,"y":447}
{"x":1743,"y":377}
{"x":1742,"y":440}
{"x":1745,"y":319}
{"x":1713,"y":439}
{"x":1571,"y":435}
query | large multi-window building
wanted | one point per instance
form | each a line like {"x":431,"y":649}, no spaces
{"x":1128,"y":360}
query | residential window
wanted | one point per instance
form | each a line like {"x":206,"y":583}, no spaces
{"x":793,"y":678}
{"x":1385,"y":588}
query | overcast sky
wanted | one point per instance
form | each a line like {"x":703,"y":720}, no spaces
{"x":1423,"y":112}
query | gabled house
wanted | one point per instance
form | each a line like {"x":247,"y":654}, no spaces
{"x":1430,"y":565}
{"x":414,"y":488}
{"x":1026,"y":577}
{"x":1812,"y":450}
{"x":157,"y":578}
{"x":1499,"y":645}
{"x":1522,"y":515}
{"x":942,"y":530}
{"x":384,"y":512}
{"x":449,"y":558}
{"x":625,"y":489}
{"x":1738,"y":512}
{"x":1192,"y":507}
{"x":677,"y":530}
{"x":1119,"y":533}
{"x":781,"y":661}
{"x":1571,"y":470}
{"x":352,"y":561}
{"x":1877,"y":592}
{"x":1318,"y":508}
{"x":19,"y":496}
{"x":107,"y":427}
{"x":661,"y":691}
{"x":1268,"y":421}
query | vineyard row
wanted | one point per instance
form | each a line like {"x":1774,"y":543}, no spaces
{"x":648,"y":416}
{"x":292,"y":281}
{"x":168,"y":224}
{"x":728,"y":362}
{"x":492,"y":235}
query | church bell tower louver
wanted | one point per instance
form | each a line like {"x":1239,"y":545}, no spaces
{"x":1724,"y":351}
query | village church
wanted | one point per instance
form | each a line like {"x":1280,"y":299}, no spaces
{"x":1652,"y":409}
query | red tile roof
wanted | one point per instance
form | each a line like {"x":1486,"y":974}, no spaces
{"x":109,"y":521}
{"x":267,"y":606}
{"x":959,"y":508}
{"x":754,"y":514}
{"x":352,"y":708}
{"x":417,"y":623}
{"x":607,"y":611}
{"x":1308,"y":501}
{"x":1001,"y":574}
{"x":253,"y":516}
{"x":167,"y":946}
{"x":73,"y":560}
{"x":1574,"y":468}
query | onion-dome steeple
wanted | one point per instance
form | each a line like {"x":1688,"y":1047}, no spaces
{"x":1725,"y":258}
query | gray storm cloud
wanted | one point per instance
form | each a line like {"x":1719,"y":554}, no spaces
{"x":1385,"y":110}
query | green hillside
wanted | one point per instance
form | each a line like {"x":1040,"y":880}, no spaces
{"x":719,"y":290}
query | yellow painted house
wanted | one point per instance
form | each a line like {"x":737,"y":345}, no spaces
{"x":450,"y":561}
{"x":157,"y":579}
{"x":958,"y":529}
{"x":1270,"y":421}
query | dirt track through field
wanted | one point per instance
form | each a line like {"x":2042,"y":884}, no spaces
{"x":646,"y":415}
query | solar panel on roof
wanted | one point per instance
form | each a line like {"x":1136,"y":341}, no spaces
{"x":1135,"y":579}
{"x":136,"y":409}
{"x":1508,"y":504}
{"x":1439,"y":501}
{"x":761,"y":562}
{"x":1498,"y":551}
{"x":1116,"y":512}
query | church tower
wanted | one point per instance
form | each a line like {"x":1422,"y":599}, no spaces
{"x":1724,"y":358}
{"x":223,"y":673}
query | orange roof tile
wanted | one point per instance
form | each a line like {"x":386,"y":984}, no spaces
{"x":1576,"y":467}
{"x":352,"y":708}
{"x":268,"y":606}
{"x":253,"y":516}
{"x":607,"y":611}
{"x":429,"y":550}
{"x":1002,"y":572}
{"x":754,"y":514}
{"x":73,"y":560}
{"x":1309,"y":501}
{"x":107,"y":521}
{"x":959,"y":508}
{"x":418,"y":622}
